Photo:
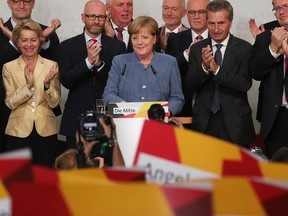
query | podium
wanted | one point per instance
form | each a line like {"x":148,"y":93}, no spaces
{"x":129,"y":119}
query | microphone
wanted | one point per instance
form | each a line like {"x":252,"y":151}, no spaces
{"x":123,"y":70}
{"x":155,"y":73}
{"x":122,"y":75}
{"x":153,"y":70}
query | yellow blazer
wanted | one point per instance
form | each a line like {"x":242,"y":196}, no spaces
{"x":32,"y":106}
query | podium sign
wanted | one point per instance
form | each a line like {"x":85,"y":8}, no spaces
{"x":129,"y":119}
{"x":134,"y":109}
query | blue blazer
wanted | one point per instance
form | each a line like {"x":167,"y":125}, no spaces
{"x":129,"y":81}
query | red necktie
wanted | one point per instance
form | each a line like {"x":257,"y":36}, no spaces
{"x":119,"y":33}
{"x":285,"y":82}
{"x":199,"y":37}
{"x":93,"y":40}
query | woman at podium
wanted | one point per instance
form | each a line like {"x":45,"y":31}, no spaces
{"x":144,"y":75}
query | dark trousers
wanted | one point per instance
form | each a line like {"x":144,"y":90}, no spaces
{"x":70,"y":142}
{"x":217,"y":128}
{"x":278,"y":137}
{"x":43,"y":148}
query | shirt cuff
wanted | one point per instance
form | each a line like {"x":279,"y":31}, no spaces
{"x":275,"y":55}
{"x":185,"y":55}
{"x":46,"y":45}
{"x":102,"y":64}
{"x":89,"y":66}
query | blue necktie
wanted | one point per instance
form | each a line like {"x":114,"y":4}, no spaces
{"x":216,"y":100}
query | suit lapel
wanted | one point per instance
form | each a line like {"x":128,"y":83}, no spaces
{"x":105,"y":48}
{"x":8,"y":24}
{"x":39,"y":70}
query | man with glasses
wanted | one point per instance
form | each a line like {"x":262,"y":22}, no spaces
{"x":85,"y":61}
{"x":172,"y":13}
{"x":20,"y":10}
{"x":268,"y":64}
{"x":119,"y":15}
{"x":179,"y":45}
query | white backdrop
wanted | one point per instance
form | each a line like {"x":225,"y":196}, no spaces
{"x":69,"y":11}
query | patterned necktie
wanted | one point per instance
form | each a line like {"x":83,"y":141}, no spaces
{"x":285,"y":91}
{"x":119,"y":33}
{"x":194,"y":96}
{"x":93,"y":40}
{"x":216,"y":100}
{"x":199,"y":37}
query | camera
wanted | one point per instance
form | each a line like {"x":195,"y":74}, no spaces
{"x":90,"y":128}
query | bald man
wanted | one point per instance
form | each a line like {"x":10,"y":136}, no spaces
{"x":84,"y":66}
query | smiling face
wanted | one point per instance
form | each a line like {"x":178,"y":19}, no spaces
{"x":143,"y":43}
{"x":21,"y":10}
{"x":121,"y":11}
{"x":219,"y":25}
{"x":93,"y":25}
{"x":28,"y":43}
{"x":172,"y":13}
{"x":196,"y":15}
{"x":281,"y":11}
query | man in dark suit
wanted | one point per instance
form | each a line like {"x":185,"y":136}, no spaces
{"x":21,"y":10}
{"x":119,"y":15}
{"x":255,"y":31}
{"x":179,"y":45}
{"x":172,"y":13}
{"x":84,"y":67}
{"x":221,"y":107}
{"x":268,"y":64}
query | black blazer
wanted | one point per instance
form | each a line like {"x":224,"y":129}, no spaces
{"x":234,"y":80}
{"x":157,"y":46}
{"x":268,"y":27}
{"x":176,"y":45}
{"x":269,"y":71}
{"x":76,"y":77}
{"x":129,"y":47}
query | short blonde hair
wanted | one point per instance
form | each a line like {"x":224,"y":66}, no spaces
{"x":67,"y":160}
{"x":27,"y":24}
{"x":141,"y":22}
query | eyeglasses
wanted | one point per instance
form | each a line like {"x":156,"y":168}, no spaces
{"x":25,"y":2}
{"x":200,"y":13}
{"x":92,"y":17}
{"x":277,"y":9}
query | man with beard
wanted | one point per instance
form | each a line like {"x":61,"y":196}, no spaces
{"x":85,"y":61}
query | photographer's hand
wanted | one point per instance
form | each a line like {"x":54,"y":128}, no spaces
{"x":101,"y":161}
{"x":86,"y":145}
{"x":110,"y":131}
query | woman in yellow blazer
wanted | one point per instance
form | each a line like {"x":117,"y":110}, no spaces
{"x":32,"y":89}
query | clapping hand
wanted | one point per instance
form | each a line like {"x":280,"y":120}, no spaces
{"x":50,"y":76}
{"x":28,"y":73}
{"x":55,"y":24}
{"x":208,"y":60}
{"x":5,"y":30}
{"x":254,"y":28}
